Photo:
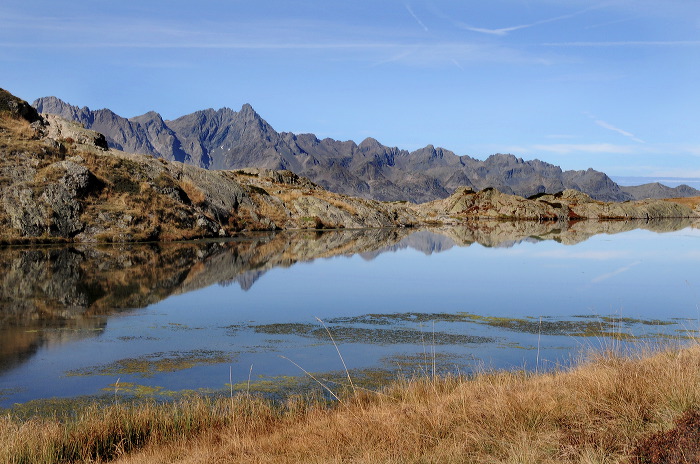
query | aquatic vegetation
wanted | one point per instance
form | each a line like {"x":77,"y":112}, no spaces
{"x":129,"y":338}
{"x":428,"y":363}
{"x":371,"y":336}
{"x":176,"y":327}
{"x":149,"y":365}
{"x":579,"y":326}
{"x":284,"y":386}
{"x":393,"y":318}
{"x":8,"y":392}
{"x":131,"y":388}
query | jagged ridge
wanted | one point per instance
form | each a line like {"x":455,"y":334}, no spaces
{"x":226,"y":139}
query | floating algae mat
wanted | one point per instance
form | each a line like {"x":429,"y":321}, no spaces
{"x":268,"y":313}
{"x":149,"y":365}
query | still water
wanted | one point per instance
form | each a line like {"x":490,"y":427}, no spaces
{"x":251,"y":313}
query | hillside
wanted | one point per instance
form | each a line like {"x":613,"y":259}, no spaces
{"x":226,"y":139}
{"x":61,"y":182}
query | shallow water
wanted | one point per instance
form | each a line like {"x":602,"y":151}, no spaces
{"x":163,"y":318}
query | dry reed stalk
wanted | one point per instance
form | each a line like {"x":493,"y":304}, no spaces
{"x":347,"y":373}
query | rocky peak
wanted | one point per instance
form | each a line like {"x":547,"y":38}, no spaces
{"x":54,"y":105}
{"x":504,"y":159}
{"x":149,"y":117}
{"x":247,"y":111}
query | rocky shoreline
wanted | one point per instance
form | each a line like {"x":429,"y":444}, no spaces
{"x":60,"y":182}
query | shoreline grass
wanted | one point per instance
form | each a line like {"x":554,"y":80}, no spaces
{"x":604,"y":410}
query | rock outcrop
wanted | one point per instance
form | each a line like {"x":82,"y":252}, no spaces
{"x":569,"y":205}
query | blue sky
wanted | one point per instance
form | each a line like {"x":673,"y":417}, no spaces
{"x":611,"y":85}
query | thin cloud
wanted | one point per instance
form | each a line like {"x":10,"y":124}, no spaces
{"x":610,"y":127}
{"x":618,"y":130}
{"x":505,"y":30}
{"x":420,"y":23}
{"x":614,"y":273}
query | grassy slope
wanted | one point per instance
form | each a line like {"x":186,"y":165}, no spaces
{"x":597,"y":412}
{"x":690,"y":202}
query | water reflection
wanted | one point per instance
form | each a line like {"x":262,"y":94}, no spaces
{"x":51,"y":296}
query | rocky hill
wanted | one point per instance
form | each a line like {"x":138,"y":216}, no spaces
{"x":61,"y":182}
{"x":226,"y":139}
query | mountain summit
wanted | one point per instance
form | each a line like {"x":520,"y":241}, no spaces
{"x":228,"y":139}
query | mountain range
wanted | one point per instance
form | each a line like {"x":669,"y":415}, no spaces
{"x":228,"y":139}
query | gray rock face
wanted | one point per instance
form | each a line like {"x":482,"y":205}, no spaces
{"x":226,"y":139}
{"x":58,"y":129}
{"x":52,"y":211}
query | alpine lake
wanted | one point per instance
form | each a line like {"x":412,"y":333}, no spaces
{"x":282,"y":313}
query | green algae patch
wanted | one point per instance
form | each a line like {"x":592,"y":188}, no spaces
{"x":577,"y":326}
{"x":394,"y":318}
{"x":516,"y":346}
{"x":138,"y":390}
{"x":583,"y":326}
{"x":632,"y":321}
{"x":282,"y":387}
{"x":428,"y":363}
{"x":372,"y":336}
{"x":292,"y":328}
{"x":6,"y":393}
{"x":149,"y":365}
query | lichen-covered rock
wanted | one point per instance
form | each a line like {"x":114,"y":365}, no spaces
{"x":564,"y":206}
{"x":59,"y":130}
{"x":490,"y":204}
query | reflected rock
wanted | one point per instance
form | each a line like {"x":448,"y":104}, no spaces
{"x":510,"y":233}
{"x":57,"y":295}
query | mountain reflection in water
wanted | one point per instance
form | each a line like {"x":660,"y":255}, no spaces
{"x":51,"y":296}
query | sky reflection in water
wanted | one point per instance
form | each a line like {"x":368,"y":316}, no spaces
{"x":424,"y":293}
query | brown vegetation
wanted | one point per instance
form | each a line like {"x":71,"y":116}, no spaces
{"x":611,"y":409}
{"x":690,"y":202}
{"x":680,"y":445}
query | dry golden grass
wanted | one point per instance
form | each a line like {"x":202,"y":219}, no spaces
{"x":594,"y":413}
{"x":16,"y":133}
{"x":339,"y":203}
{"x":691,"y":202}
{"x":270,"y":208}
{"x":193,"y":192}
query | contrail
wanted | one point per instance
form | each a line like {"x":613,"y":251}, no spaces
{"x":410,"y":11}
